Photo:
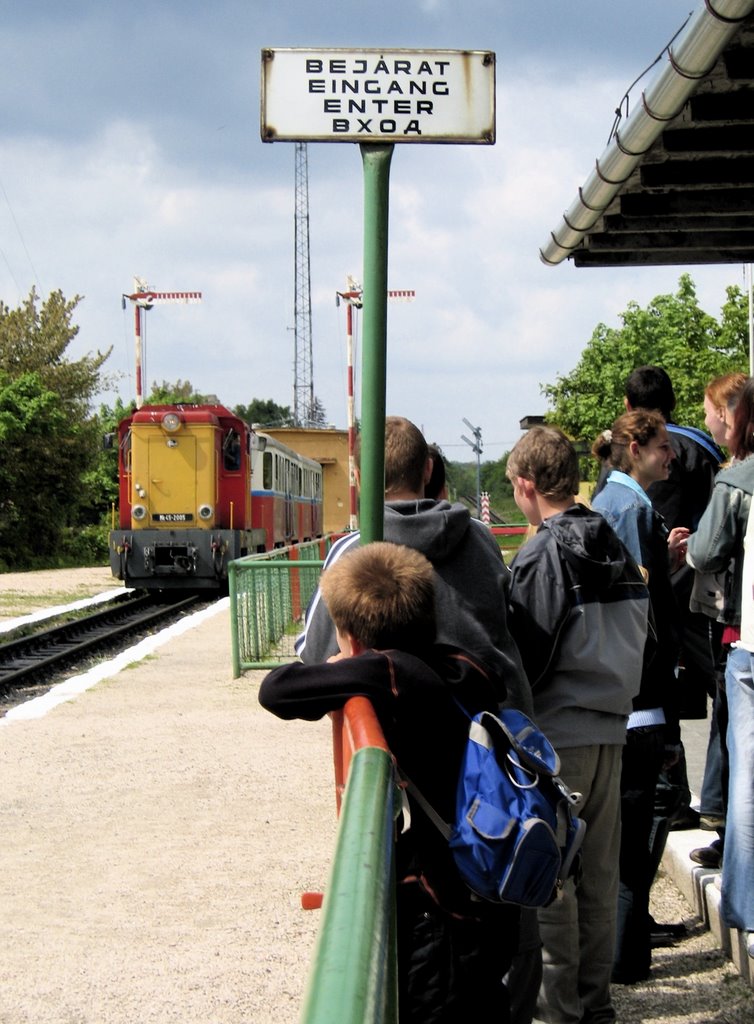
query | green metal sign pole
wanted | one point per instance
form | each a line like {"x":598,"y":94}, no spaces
{"x":376,"y":161}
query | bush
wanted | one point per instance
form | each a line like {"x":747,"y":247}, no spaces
{"x":83,"y":546}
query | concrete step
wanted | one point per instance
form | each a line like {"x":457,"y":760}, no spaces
{"x":701,"y":888}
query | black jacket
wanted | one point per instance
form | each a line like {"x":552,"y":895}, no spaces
{"x":579,"y":610}
{"x":424,"y":727}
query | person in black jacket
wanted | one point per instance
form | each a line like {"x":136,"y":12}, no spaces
{"x":453,"y":949}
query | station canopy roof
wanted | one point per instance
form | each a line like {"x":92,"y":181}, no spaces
{"x":675,"y":184}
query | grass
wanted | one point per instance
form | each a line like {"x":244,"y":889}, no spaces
{"x":18,"y":602}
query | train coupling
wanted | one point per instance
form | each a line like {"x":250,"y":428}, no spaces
{"x":170,"y":559}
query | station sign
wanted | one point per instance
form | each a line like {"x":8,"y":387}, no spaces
{"x":379,"y":96}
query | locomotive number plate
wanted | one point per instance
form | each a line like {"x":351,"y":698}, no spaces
{"x":172,"y":517}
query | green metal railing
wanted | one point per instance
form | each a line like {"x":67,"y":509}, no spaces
{"x":353,"y":976}
{"x":268,"y":597}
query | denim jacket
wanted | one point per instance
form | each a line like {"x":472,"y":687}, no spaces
{"x":718,"y":542}
{"x":627,"y":507}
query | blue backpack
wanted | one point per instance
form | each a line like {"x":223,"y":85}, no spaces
{"x":516,"y":836}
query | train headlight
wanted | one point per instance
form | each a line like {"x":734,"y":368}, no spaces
{"x":171,"y":422}
{"x":205,"y":511}
{"x":139,"y":511}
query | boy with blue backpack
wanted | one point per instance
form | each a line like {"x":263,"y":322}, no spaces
{"x":578,"y":612}
{"x":453,"y":948}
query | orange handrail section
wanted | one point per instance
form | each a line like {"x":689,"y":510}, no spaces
{"x":354,"y":726}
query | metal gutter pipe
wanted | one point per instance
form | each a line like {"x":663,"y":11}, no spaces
{"x":690,"y":58}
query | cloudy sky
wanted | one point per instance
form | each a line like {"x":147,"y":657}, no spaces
{"x":130,"y":146}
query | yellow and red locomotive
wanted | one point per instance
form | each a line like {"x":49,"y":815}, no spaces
{"x":198,"y":488}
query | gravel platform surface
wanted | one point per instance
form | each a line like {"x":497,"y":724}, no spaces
{"x":157,"y":834}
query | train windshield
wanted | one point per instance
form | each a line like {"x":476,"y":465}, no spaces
{"x":232,"y":451}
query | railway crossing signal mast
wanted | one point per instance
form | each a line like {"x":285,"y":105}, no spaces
{"x":476,"y":447}
{"x":143,"y":298}
{"x":353,"y":300}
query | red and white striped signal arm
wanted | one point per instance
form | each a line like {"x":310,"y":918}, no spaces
{"x":402,"y":295}
{"x":183,"y":297}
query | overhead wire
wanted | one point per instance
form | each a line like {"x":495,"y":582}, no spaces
{"x":10,"y":271}
{"x":23,"y":243}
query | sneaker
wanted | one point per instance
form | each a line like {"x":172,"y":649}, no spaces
{"x":749,"y":940}
{"x":711,"y":822}
{"x":675,"y":931}
{"x":708,"y":856}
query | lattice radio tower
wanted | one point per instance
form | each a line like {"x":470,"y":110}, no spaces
{"x":303,"y":382}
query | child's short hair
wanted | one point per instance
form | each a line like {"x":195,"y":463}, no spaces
{"x":383,"y":595}
{"x":546,"y":457}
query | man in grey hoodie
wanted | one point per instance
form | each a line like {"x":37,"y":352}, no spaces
{"x":471,"y":578}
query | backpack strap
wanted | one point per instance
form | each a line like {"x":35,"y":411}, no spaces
{"x":702,"y":439}
{"x":442,"y":826}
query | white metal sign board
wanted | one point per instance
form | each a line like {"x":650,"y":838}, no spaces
{"x":340,"y":95}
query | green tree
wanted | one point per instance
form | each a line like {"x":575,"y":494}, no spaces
{"x":317,"y":415}
{"x":102,"y":477}
{"x":45,"y":454}
{"x":34,"y":339}
{"x":461,"y":477}
{"x":496,"y":483}
{"x":461,"y":480}
{"x":265,"y":412}
{"x":49,"y":441}
{"x":180,"y":393}
{"x":672,"y":332}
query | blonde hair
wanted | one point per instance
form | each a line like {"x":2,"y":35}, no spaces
{"x":383,"y":595}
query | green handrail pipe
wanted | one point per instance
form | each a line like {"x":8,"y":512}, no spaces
{"x":353,"y":974}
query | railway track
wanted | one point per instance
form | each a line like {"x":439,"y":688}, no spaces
{"x":35,"y":658}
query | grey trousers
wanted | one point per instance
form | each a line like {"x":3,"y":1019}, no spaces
{"x":577,"y":931}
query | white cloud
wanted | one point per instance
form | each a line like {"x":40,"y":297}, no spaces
{"x":128,"y":154}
